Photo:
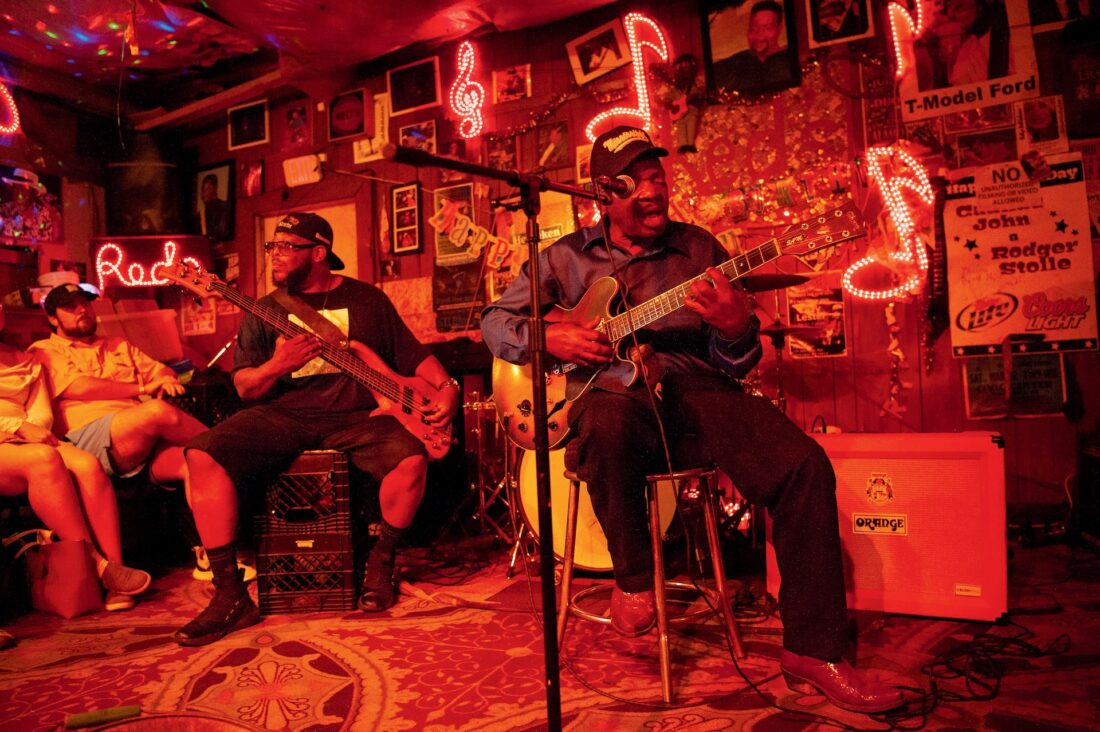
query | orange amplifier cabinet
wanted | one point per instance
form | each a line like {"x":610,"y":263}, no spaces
{"x":922,"y":523}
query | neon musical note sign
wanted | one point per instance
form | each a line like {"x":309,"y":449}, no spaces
{"x":635,"y":23}
{"x":911,"y":248}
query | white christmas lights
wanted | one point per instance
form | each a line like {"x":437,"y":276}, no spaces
{"x":899,"y":14}
{"x":7,"y":100}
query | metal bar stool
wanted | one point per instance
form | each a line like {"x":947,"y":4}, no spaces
{"x":704,"y":480}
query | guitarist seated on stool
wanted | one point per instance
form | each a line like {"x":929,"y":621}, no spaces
{"x":308,"y":403}
{"x":696,"y":351}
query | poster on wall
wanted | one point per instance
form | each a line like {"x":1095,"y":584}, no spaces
{"x":452,"y":220}
{"x":1041,"y":126}
{"x":1090,"y":159}
{"x":1037,"y":386}
{"x":817,"y":304}
{"x":198,"y":317}
{"x":979,"y":55}
{"x":1019,"y":259}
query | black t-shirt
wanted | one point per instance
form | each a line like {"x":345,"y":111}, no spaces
{"x":358,"y":309}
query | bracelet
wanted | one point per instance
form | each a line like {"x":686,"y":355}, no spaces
{"x":141,"y":389}
{"x":451,"y":382}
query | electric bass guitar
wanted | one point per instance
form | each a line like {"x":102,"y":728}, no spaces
{"x":512,"y":388}
{"x":404,"y":397}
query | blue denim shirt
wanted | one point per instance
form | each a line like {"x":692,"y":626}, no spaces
{"x":685,"y":345}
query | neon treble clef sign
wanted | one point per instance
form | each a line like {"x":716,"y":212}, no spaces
{"x":467,"y":96}
{"x":636,"y":23}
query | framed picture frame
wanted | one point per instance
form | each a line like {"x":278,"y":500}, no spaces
{"x":214,"y":201}
{"x":347,"y":115}
{"x":552,"y":145}
{"x":598,"y":52}
{"x":248,"y":125}
{"x":455,"y":149}
{"x":366,"y":149}
{"x":832,"y":22}
{"x":584,"y":163}
{"x":451,"y":244}
{"x":419,"y":136}
{"x":512,"y":83}
{"x":414,"y":86}
{"x":294,"y":125}
{"x":502,"y":154}
{"x":405,"y":213}
{"x":750,"y":47}
{"x":252,"y":177}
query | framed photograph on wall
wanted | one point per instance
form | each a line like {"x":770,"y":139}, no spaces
{"x":598,"y":52}
{"x":584,"y":169}
{"x":512,"y":83}
{"x":552,"y":146}
{"x":252,"y":177}
{"x":419,"y":136}
{"x":453,"y":207}
{"x":369,"y":148}
{"x":839,"y":21}
{"x":750,"y":47}
{"x":248,"y":125}
{"x":293,"y":126}
{"x":414,"y":86}
{"x":405,"y":215}
{"x":502,"y":154}
{"x":214,"y":201}
{"x":347,"y":115}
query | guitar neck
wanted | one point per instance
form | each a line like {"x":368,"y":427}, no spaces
{"x":672,"y":300}
{"x":346,"y":361}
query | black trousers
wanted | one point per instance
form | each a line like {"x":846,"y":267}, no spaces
{"x":615,"y":443}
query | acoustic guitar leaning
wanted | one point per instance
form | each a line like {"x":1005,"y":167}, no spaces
{"x":512,"y":387}
{"x":403,"y":397}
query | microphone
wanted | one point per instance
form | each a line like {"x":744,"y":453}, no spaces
{"x":621,"y":185}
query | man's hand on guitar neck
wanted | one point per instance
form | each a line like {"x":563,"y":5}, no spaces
{"x":579,"y":343}
{"x":721,"y":305}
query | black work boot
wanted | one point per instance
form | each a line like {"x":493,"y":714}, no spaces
{"x":230,"y":609}
{"x":380,"y":577}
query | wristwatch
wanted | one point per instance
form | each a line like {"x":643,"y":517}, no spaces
{"x":451,"y":383}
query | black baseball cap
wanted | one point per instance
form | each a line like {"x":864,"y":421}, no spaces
{"x":616,"y":149}
{"x":313,"y":227}
{"x":63,"y":296}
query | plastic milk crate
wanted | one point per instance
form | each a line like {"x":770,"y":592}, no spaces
{"x":306,"y":558}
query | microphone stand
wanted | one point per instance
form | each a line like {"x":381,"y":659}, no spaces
{"x":530,"y":186}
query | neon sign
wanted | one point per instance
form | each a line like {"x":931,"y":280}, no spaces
{"x":899,"y":17}
{"x":636,"y":23}
{"x":467,"y":96}
{"x":111,"y":258}
{"x":7,"y":101}
{"x":904,"y":172}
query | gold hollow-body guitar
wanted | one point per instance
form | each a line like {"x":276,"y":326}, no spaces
{"x":512,"y":387}
{"x":403,"y":397}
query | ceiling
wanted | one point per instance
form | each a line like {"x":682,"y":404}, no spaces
{"x":164,"y":57}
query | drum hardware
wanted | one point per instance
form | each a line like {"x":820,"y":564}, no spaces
{"x":489,"y":456}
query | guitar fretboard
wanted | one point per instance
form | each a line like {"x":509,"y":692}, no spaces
{"x":668,"y":302}
{"x":344,"y":360}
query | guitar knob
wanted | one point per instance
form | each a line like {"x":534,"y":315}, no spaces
{"x":552,"y":426}
{"x":522,"y":427}
{"x":525,"y":407}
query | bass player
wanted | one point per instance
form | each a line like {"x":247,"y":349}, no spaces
{"x":694,"y":354}
{"x":306,"y":403}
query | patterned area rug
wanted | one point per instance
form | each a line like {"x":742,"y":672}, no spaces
{"x":469,"y":655}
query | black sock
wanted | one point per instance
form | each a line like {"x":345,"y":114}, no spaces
{"x":223,"y":564}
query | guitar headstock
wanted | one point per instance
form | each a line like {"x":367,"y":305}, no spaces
{"x":195,"y":279}
{"x":824,"y":230}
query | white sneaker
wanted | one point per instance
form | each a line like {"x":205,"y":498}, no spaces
{"x":203,"y":573}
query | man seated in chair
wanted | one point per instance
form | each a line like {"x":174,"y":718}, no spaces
{"x":106,"y":393}
{"x":694,"y":353}
{"x":307,"y":403}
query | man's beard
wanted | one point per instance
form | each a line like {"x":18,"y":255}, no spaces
{"x":78,"y":331}
{"x":295,"y":277}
